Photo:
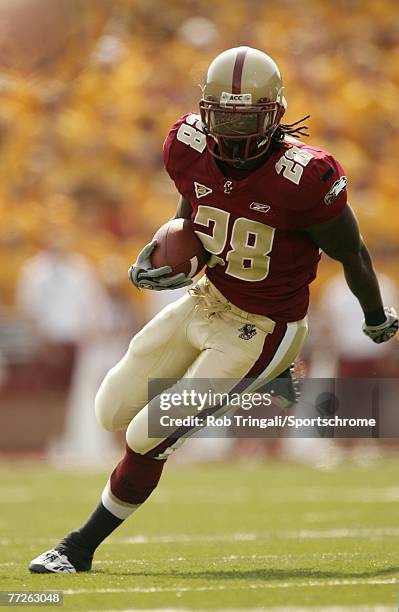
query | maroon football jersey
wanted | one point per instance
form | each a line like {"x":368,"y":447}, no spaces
{"x":262,"y":259}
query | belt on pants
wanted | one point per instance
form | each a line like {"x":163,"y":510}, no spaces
{"x":212,"y":302}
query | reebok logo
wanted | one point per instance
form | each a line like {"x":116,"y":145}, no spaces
{"x":201,"y":190}
{"x":259,"y":207}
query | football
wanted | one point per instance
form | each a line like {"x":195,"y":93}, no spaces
{"x":179,"y":247}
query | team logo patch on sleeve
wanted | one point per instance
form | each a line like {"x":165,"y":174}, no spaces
{"x":248,"y":331}
{"x":335,"y":190}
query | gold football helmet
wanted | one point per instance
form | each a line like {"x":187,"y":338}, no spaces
{"x":242,"y":104}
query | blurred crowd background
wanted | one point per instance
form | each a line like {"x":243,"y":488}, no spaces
{"x":88,"y":92}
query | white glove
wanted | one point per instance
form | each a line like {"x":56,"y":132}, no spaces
{"x":144,"y":276}
{"x":384,"y":331}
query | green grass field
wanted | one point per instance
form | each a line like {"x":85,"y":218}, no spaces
{"x":271,"y":536}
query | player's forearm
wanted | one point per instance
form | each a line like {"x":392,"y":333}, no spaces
{"x":183,"y":209}
{"x":363,"y":283}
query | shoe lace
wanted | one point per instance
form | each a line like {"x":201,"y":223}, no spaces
{"x":57,"y":556}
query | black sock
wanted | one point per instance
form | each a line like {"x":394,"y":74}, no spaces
{"x":98,"y":527}
{"x":81,"y":544}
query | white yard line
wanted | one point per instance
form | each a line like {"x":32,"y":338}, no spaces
{"x":16,"y":498}
{"x":246,"y":587}
{"x":34,"y":541}
{"x":208,"y":494}
{"x":284,"y":557}
{"x":286,"y":534}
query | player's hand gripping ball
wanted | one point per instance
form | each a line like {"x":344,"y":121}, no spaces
{"x":171,"y":259}
{"x":179,"y":247}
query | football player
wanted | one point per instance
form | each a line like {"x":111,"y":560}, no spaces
{"x":264,"y":205}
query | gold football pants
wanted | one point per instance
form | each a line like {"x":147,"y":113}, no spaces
{"x":200,"y":336}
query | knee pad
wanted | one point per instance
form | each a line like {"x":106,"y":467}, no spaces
{"x":138,"y":441}
{"x":137,"y":434}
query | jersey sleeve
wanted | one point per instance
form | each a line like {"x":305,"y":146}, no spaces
{"x":167,"y":148}
{"x":172,"y":154}
{"x":325,"y":191}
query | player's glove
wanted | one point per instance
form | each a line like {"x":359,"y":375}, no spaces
{"x":384,"y":331}
{"x":144,"y":276}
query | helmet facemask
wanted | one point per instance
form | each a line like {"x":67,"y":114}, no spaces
{"x":240,"y":133}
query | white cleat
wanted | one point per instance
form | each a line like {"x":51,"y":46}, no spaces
{"x":51,"y":562}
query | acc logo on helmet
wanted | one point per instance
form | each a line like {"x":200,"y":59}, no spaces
{"x":231,"y":98}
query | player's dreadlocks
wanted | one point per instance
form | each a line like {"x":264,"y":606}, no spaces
{"x":291,"y":129}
